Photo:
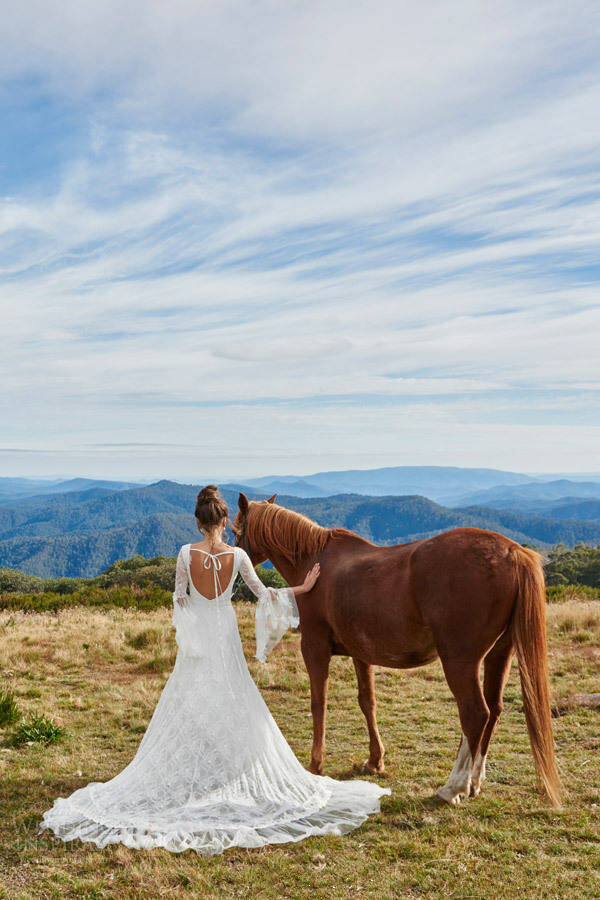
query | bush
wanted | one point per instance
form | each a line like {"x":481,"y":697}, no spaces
{"x":135,"y":583}
{"x":561,"y":593}
{"x":160,"y":570}
{"x":63,"y":585}
{"x":14,"y":581}
{"x":37,"y":729}
{"x":125,"y":597}
{"x":9,"y":711}
{"x":144,"y":638}
{"x":581,"y":565}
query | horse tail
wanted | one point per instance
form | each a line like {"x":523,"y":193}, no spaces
{"x":529,"y":633}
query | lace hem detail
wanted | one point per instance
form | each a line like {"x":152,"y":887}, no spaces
{"x":349,"y":806}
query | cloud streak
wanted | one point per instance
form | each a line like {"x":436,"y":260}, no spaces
{"x":301,"y":230}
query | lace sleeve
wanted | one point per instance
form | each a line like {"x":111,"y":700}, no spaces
{"x":276,"y":609}
{"x":180,"y":594}
{"x":190,"y":636}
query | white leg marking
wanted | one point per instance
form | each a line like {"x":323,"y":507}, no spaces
{"x":478,"y":776}
{"x":459,"y":783}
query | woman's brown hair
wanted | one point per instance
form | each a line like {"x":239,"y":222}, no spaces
{"x":211,"y":509}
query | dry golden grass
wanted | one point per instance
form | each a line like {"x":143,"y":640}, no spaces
{"x":98,"y":673}
{"x":581,"y":619}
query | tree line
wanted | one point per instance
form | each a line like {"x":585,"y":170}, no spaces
{"x":148,"y":583}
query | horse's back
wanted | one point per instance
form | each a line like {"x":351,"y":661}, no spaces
{"x":399,"y":605}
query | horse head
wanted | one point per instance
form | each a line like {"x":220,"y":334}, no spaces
{"x":244,"y":537}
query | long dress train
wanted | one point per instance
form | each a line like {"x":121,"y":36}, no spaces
{"x":213,"y":770}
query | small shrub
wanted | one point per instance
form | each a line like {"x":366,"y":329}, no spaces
{"x":563,"y":593}
{"x":63,"y":585}
{"x":15,"y":581}
{"x":138,"y":570}
{"x":38,"y":729}
{"x":9,"y":711}
{"x":582,"y":637}
{"x":146,"y":638}
{"x":156,"y":664}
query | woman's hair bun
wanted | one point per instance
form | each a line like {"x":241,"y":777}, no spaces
{"x":210,"y":492}
{"x":211,"y":509}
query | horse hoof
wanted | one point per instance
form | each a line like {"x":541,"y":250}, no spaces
{"x":446,"y":796}
{"x":314,"y":769}
{"x":371,"y":769}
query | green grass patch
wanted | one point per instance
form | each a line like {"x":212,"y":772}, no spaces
{"x":38,"y":730}
{"x":157,"y":664}
{"x":9,"y":710}
{"x":146,"y":638}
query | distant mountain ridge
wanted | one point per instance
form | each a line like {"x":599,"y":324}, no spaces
{"x":534,"y":495}
{"x":83,"y":532}
{"x":443,"y":484}
{"x":18,"y":488}
{"x":446,"y":485}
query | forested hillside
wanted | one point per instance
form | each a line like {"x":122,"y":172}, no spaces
{"x":83,"y":532}
{"x":576,"y":509}
{"x":534,"y":496}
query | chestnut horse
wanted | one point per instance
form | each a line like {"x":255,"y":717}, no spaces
{"x":467,"y":595}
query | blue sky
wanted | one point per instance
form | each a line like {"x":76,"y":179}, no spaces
{"x":251,"y":238}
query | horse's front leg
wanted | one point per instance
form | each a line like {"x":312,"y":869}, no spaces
{"x":317,"y":657}
{"x":368,"y":704}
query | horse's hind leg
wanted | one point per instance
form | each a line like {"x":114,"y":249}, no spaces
{"x":317,"y":655}
{"x":368,"y":704}
{"x":496,"y":668}
{"x":463,"y":680}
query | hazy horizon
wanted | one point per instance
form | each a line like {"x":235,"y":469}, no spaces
{"x":232,"y":479}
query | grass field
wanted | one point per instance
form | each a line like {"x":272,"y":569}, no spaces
{"x":97,"y":673}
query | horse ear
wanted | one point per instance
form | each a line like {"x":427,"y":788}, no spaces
{"x":243,"y":503}
{"x":272,"y":499}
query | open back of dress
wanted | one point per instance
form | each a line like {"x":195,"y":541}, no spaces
{"x":216,"y":570}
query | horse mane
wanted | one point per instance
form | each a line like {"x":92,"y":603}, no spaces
{"x":290,"y":533}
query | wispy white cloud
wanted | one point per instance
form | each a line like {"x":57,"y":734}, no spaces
{"x":304,"y":231}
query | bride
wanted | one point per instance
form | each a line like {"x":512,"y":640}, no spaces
{"x":213,"y":770}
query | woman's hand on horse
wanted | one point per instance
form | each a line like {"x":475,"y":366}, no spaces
{"x":310,"y":580}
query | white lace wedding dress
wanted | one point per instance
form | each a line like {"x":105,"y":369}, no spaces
{"x":213,"y":770}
